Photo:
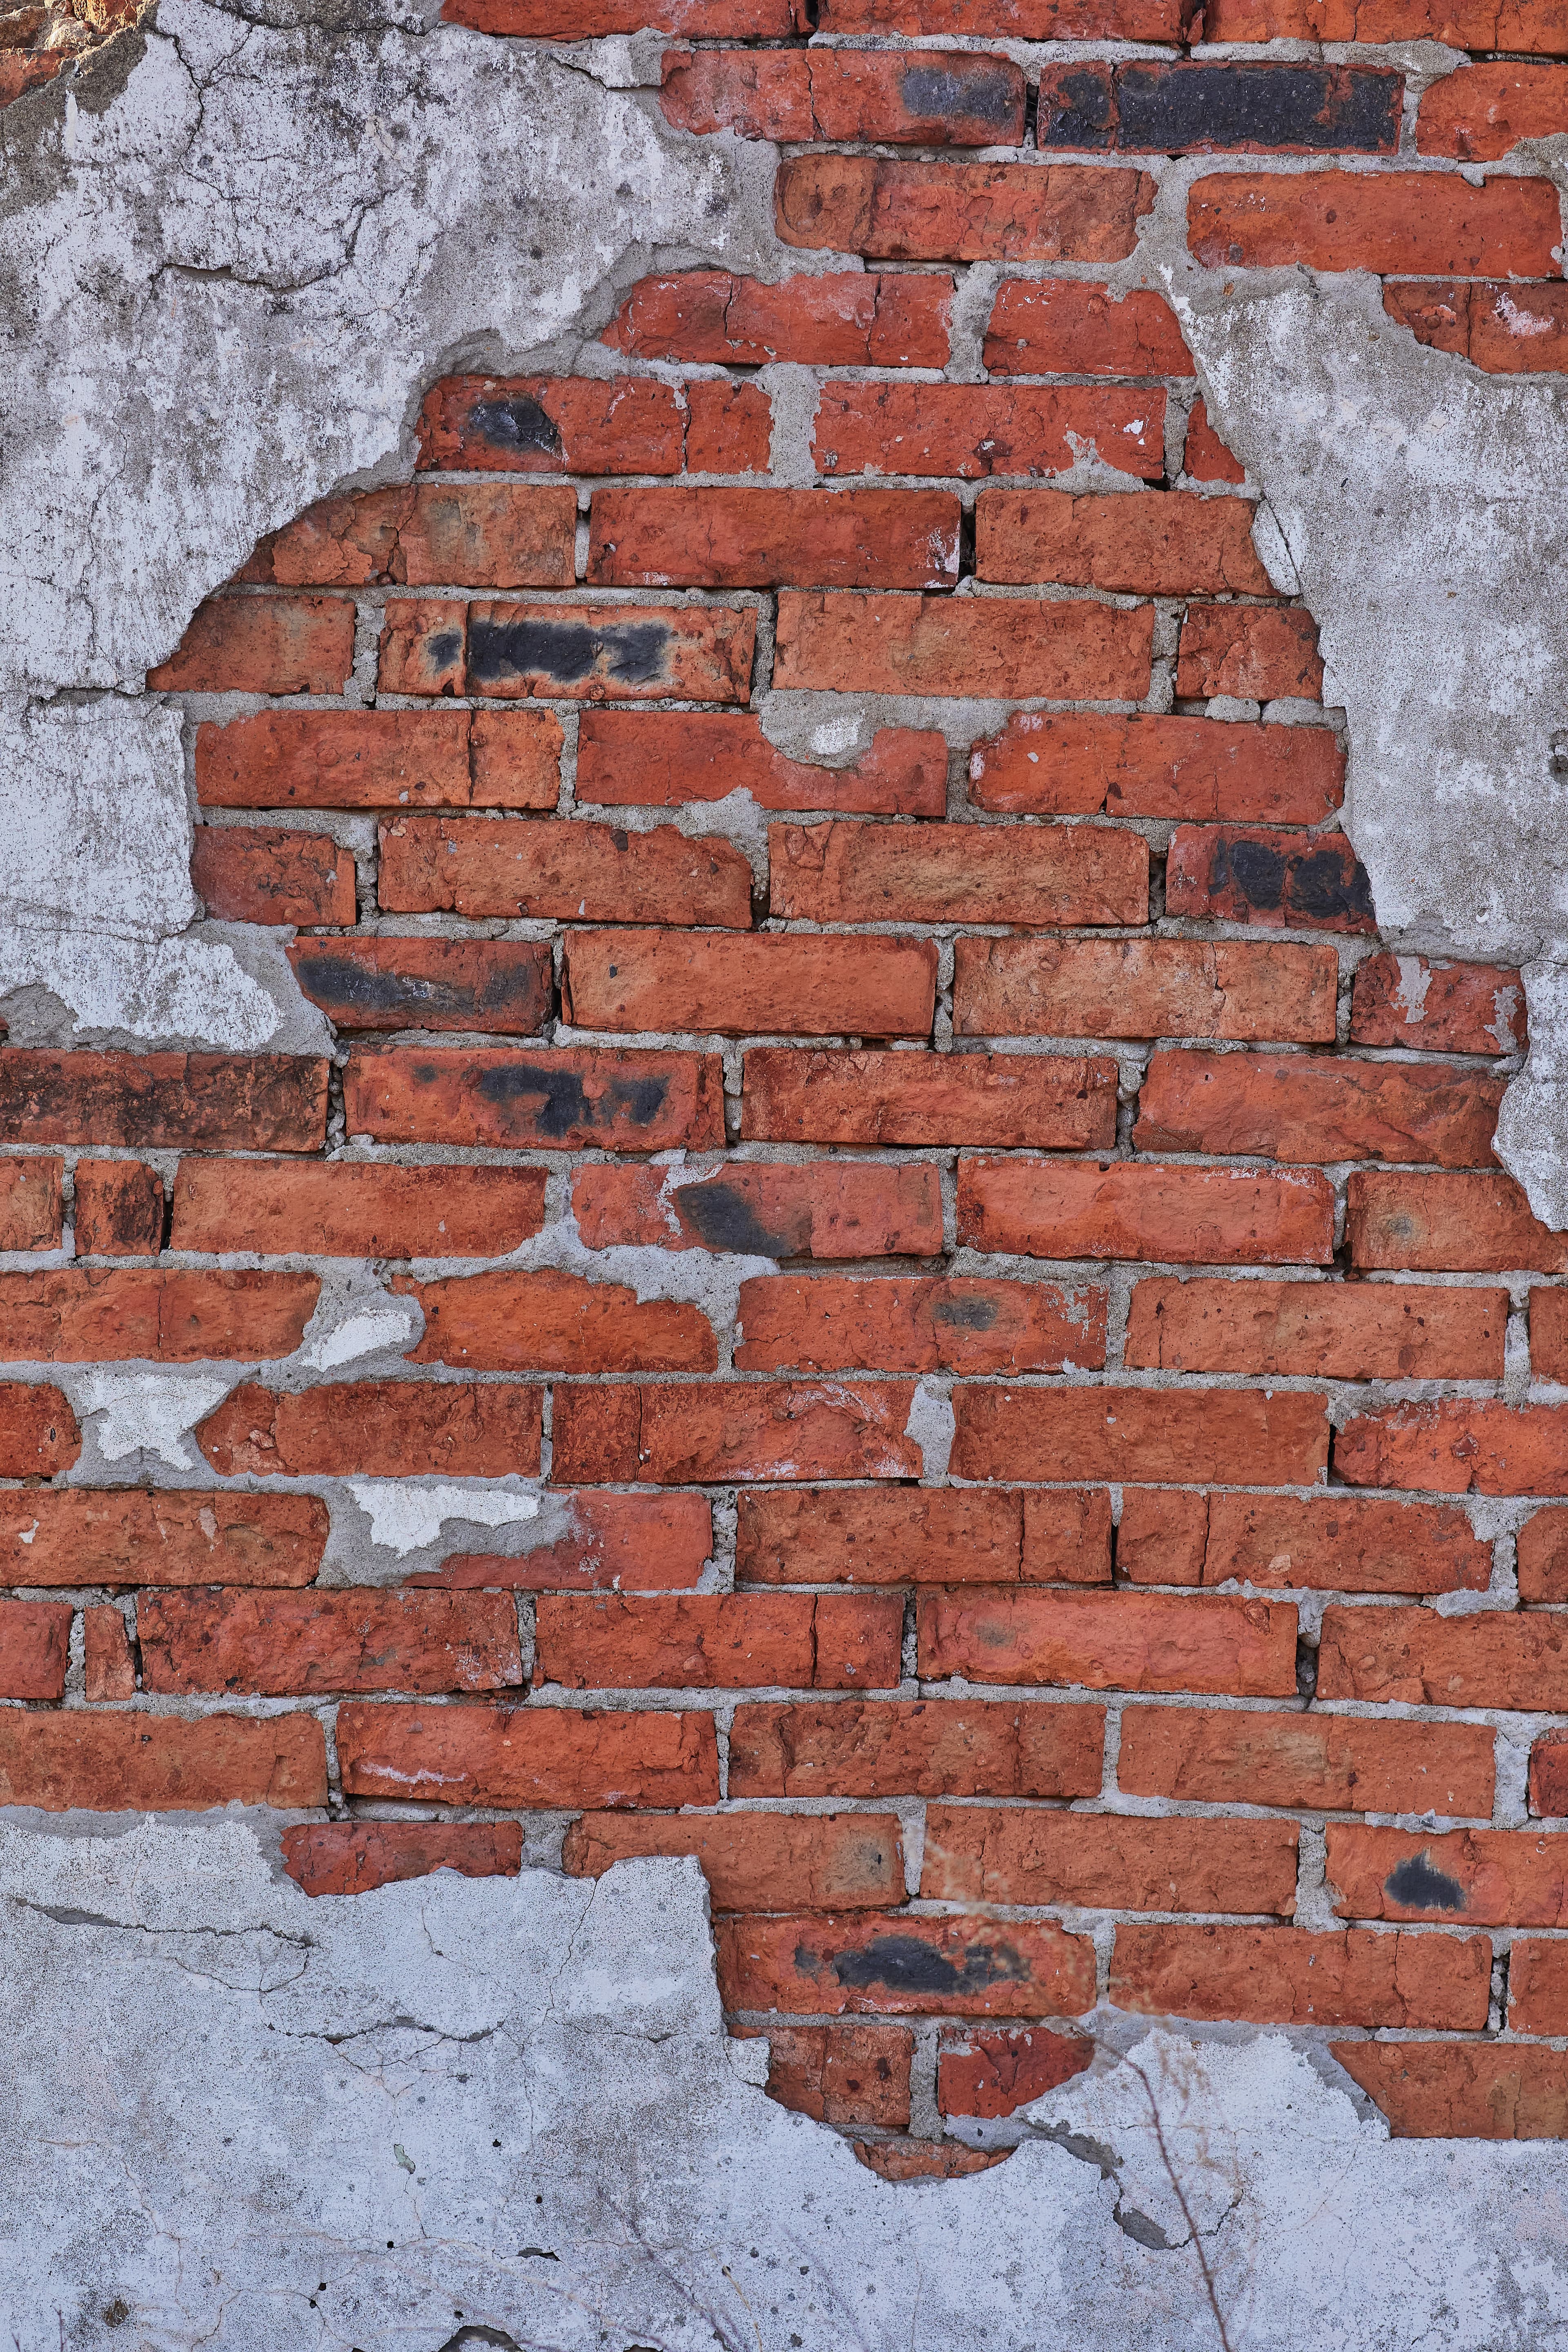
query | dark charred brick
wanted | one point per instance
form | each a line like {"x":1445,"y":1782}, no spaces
{"x":1269,"y":877}
{"x":1078,"y":108}
{"x":630,"y":652}
{"x":987,"y":91}
{"x":1255,"y":109}
{"x":519,"y":424}
{"x":499,"y":986}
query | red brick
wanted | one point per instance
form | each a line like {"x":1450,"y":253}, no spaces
{"x":1243,"y":1437}
{"x":831,"y":1209}
{"x":527,"y":1756}
{"x":845,"y":873}
{"x":108,"y":1670}
{"x":1174,"y":544}
{"x":1461,"y":24}
{"x":977,"y":429}
{"x":35,"y":1641}
{"x":1485,"y":1877}
{"x":965,"y":646}
{"x":352,"y":1857}
{"x":952,"y":1534}
{"x":160,"y":1763}
{"x":503,"y":986}
{"x":353,"y":1209}
{"x":262,"y":645}
{"x":252,"y":1102}
{"x":1161,"y":1537}
{"x":729,"y":429}
{"x":1122,"y":1641}
{"x":21,"y":71}
{"x":133,"y":1535}
{"x":170,"y":1316}
{"x":840,"y":2073}
{"x":118,"y":1208}
{"x":1058,"y":326}
{"x":925,"y":2159}
{"x":828,"y":1323}
{"x":1542,"y":1554}
{"x":1330,"y":1330}
{"x":994,"y":2074}
{"x":1549,"y":1776}
{"x":680,"y":1433}
{"x":961,"y":212}
{"x":31,"y":1211}
{"x":1440,"y":1224}
{"x":1075,"y":763}
{"x":1410,"y":223}
{"x":1116,"y":1209}
{"x":1206,"y":457}
{"x":916,"y":1748}
{"x":426,"y":535}
{"x":1292,"y":1107}
{"x":754,"y":539}
{"x":561,"y":870}
{"x":720,"y":1641}
{"x":1549,"y":1334}
{"x":1309,"y":1762}
{"x":908,"y":1966}
{"x":386,"y":1429}
{"x":1462,"y":2090}
{"x":1438,"y":1008}
{"x":1107,"y":1861}
{"x":1253,"y":651}
{"x":39,"y":1432}
{"x":570,"y":652}
{"x":1492,"y":1658}
{"x":582,"y":20}
{"x":1508,"y":329}
{"x":1538,"y":1986}
{"x":842,"y":318}
{"x":664,"y":760}
{"x":630,"y":1542}
{"x":267,"y":874}
{"x":1288,"y":1975}
{"x":550,"y":424}
{"x":1282,"y":881}
{"x":1145,"y":988}
{"x":1052,"y":1101}
{"x":1339,"y":1543}
{"x":756,"y":1862}
{"x":1459,"y":1445}
{"x":1026,"y":20}
{"x":556,"y":1322}
{"x":919,"y":98}
{"x":279,"y":1643}
{"x":381,"y":758}
{"x":556,"y":1099}
{"x":786,"y":985}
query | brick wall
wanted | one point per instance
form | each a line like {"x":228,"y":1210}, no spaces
{"x":1215,"y":1670}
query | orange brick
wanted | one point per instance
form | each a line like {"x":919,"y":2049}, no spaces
{"x":352,"y":1857}
{"x":262,"y":645}
{"x":920,"y":1748}
{"x":1542,"y":1548}
{"x":756,"y":539}
{"x":552,"y":1100}
{"x":961,"y":212}
{"x":39,"y":1432}
{"x":250,"y":1102}
{"x":1056,"y":326}
{"x":1122,"y":1641}
{"x":990,"y":2073}
{"x":34,"y":1645}
{"x":1394,"y":222}
{"x":729,"y":428}
{"x":1484,"y":1877}
{"x":1291,"y":1107}
{"x":527,"y":1756}
{"x":1339,"y":1543}
{"x":1075,"y":763}
{"x":908,"y":1966}
{"x":266,"y":873}
{"x":1437,"y":1008}
{"x":940,"y":1536}
{"x":1538,"y":1986}
{"x":551,"y":868}
{"x":582,"y":20}
{"x":160,"y":1763}
{"x":426,"y":535}
{"x":1442,"y":1223}
{"x":841,"y":318}
{"x":1457,"y":1445}
{"x":552,"y":425}
{"x":756,"y":1862}
{"x":1549,"y":1776}
{"x":1223,"y":874}
{"x":1549,"y":1333}
{"x":788,"y":984}
{"x":921,"y":98}
{"x":628,"y":1542}
{"x":1052,"y":1101}
{"x":720,"y":1641}
{"x":556,"y":1322}
{"x":1308,"y":1761}
{"x":1508,"y":327}
{"x":1107,"y":1861}
{"x":974,"y":430}
{"x":1176,"y":544}
{"x":170,"y":1316}
{"x":837,"y":1323}
{"x":1145,"y":988}
{"x":664,"y":760}
{"x":841,"y":2074}
{"x":1026,"y":20}
{"x":31,"y":1211}
{"x":1462,"y":24}
{"x":1462,"y":2090}
{"x":1288,"y":1975}
{"x":284,"y":1642}
{"x":1253,"y":651}
{"x":925,"y":2159}
{"x":1118,"y":1209}
{"x":108,"y":1670}
{"x":1343,"y":1331}
{"x":118,"y":1208}
{"x":1162,"y":1536}
{"x":381,"y":758}
{"x":1243,"y":1437}
{"x":1206,"y":457}
{"x":965,"y":646}
{"x":957,"y":873}
{"x":832,"y":1209}
{"x":130,"y":1535}
{"x":1492,"y":1659}
{"x":386,"y":1429}
{"x":354,"y":1209}
{"x":682,"y":1433}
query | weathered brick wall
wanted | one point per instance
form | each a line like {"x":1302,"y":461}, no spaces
{"x":1059,"y":1081}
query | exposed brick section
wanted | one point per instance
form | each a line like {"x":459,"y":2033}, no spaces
{"x":725,"y":1640}
{"x":597,"y":873}
{"x":264,"y":873}
{"x":1243,"y":1437}
{"x":1491,"y":1659}
{"x":160,"y":1763}
{"x":1175,"y":109}
{"x":959,"y":1747}
{"x":1508,"y":329}
{"x":976,"y":430}
{"x":1288,"y":1976}
{"x":924,"y":2159}
{"x":654,"y":759}
{"x":1123,"y":1641}
{"x":35,"y":1637}
{"x":108,"y":1670}
{"x":841,"y":318}
{"x":1459,"y":1447}
{"x":1055,"y":763}
{"x":855,"y":2075}
{"x":1343,"y":1543}
{"x":729,"y":428}
{"x":936,"y":1536}
{"x":527,"y":1756}
{"x":381,"y":759}
{"x":352,"y":1857}
{"x":1266,"y":878}
{"x":1249,"y":651}
{"x":129,"y":1537}
{"x":973,"y":646}
{"x":1294,"y":1108}
{"x":1065,"y":327}
{"x":1146,"y":988}
{"x":1026,"y":20}
{"x":1205,"y":1216}
{"x":992,"y":2073}
{"x":753,"y":539}
{"x":1438,"y":1008}
{"x":1549,"y":1334}
{"x":1175,"y":545}
{"x":1400,"y":223}
{"x":758,"y":1862}
{"x":247,"y":1102}
{"x":1437,"y":1223}
{"x":500,"y":985}
{"x":628,"y":1541}
{"x":1537,"y":1986}
{"x":1325,"y":1762}
{"x":711,"y":986}
{"x":280,"y":1643}
{"x":920,"y":99}
{"x":1478,"y":115}
{"x":556,"y":1099}
{"x":1548,"y":1775}
{"x":1206,"y":457}
{"x":956,"y":874}
{"x":262,"y":645}
{"x":584,"y":20}
{"x":490,"y":535}
{"x":910,"y":1967}
{"x":1465,"y":24}
{"x":170,"y":1317}
{"x":829,"y":1209}
{"x":681,"y":1435}
{"x":961,"y":212}
{"x":1058,"y":1103}
{"x":550,"y":424}
{"x":31,"y":1204}
{"x":557,"y":1322}
{"x":1466,"y":2090}
{"x":823,"y":1323}
{"x":1541,"y":1552}
{"x":579,"y":652}
{"x":377,"y":1428}
{"x":1475,"y":1877}
{"x":980,"y":1855}
{"x":347,"y":1209}
{"x":118,"y":1208}
{"x":39,"y":1432}
{"x":1345,"y":1331}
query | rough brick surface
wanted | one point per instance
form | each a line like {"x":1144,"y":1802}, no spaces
{"x":1052,"y":763}
{"x":754,"y":1862}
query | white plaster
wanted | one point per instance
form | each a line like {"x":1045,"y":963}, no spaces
{"x":933,"y":1426}
{"x":149,"y":1412}
{"x":366,"y":1334}
{"x":406,"y":1515}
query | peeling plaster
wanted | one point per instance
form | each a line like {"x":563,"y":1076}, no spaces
{"x":406,"y":1515}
